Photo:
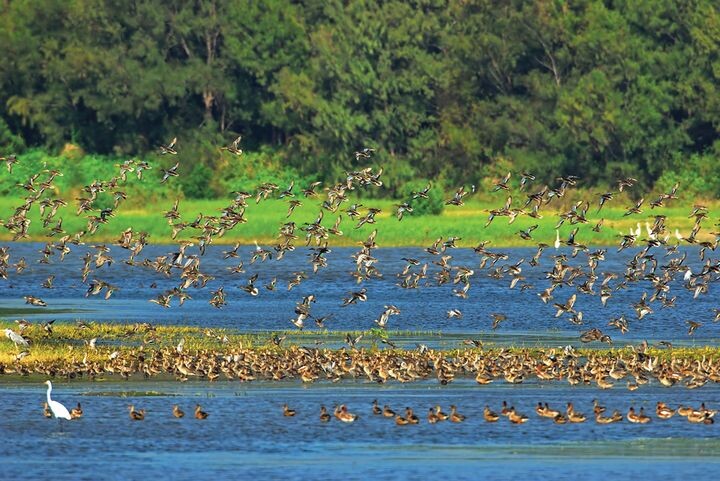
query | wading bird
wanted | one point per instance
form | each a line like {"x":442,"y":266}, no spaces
{"x":58,"y":410}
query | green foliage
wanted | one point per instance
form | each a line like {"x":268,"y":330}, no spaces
{"x":83,"y":170}
{"x":246,"y":172}
{"x":197,"y":184}
{"x":698,"y":176}
{"x":441,"y":89}
{"x":10,"y":142}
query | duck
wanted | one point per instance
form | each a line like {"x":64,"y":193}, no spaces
{"x":515,"y":417}
{"x":663,"y":411}
{"x":455,"y":416}
{"x":700,"y":417}
{"x":411,"y":416}
{"x":545,"y":411}
{"x":324,"y":415}
{"x":387,"y":412}
{"x":616,"y":417}
{"x":489,"y":415}
{"x":199,"y":413}
{"x":287,"y":412}
{"x":432,"y":417}
{"x":560,"y":419}
{"x":637,"y":418}
{"x":76,"y":412}
{"x":440,"y":414}
{"x":597,"y":407}
{"x":136,"y":415}
{"x":684,"y":410}
{"x":401,"y":421}
{"x":234,"y":148}
{"x":344,"y":415}
{"x":169,"y":148}
{"x":375,"y":408}
{"x":709,"y":412}
{"x":177,"y":412}
{"x":483,"y":378}
{"x":46,"y":410}
{"x":574,"y":416}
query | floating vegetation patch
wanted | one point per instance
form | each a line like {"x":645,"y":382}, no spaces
{"x":24,"y":311}
{"x":126,"y":394}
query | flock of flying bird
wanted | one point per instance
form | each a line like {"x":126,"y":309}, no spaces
{"x":185,"y":263}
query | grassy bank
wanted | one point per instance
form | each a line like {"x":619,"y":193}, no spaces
{"x":71,"y":343}
{"x":467,"y":222}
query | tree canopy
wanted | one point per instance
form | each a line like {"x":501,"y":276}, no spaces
{"x":442,"y":89}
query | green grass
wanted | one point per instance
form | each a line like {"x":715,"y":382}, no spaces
{"x":466,"y":222}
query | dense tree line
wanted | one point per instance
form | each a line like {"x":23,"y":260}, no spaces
{"x":443,"y":89}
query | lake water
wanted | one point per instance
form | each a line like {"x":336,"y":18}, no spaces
{"x":246,"y":434}
{"x":529,"y":321}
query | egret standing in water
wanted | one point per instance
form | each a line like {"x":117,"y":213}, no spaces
{"x":58,"y":410}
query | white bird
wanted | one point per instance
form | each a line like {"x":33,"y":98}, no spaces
{"x":688,"y":274}
{"x":649,"y":231}
{"x":16,"y":338}
{"x":557,"y":239}
{"x":58,"y":410}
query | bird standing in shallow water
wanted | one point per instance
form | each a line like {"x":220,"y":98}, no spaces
{"x":58,"y":410}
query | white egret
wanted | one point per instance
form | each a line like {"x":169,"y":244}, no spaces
{"x":557,"y":239}
{"x":16,"y":338}
{"x":58,"y":410}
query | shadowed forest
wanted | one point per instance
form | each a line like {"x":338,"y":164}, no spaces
{"x":449,"y":91}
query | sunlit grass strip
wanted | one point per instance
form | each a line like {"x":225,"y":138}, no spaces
{"x":467,"y":222}
{"x":69,"y":344}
